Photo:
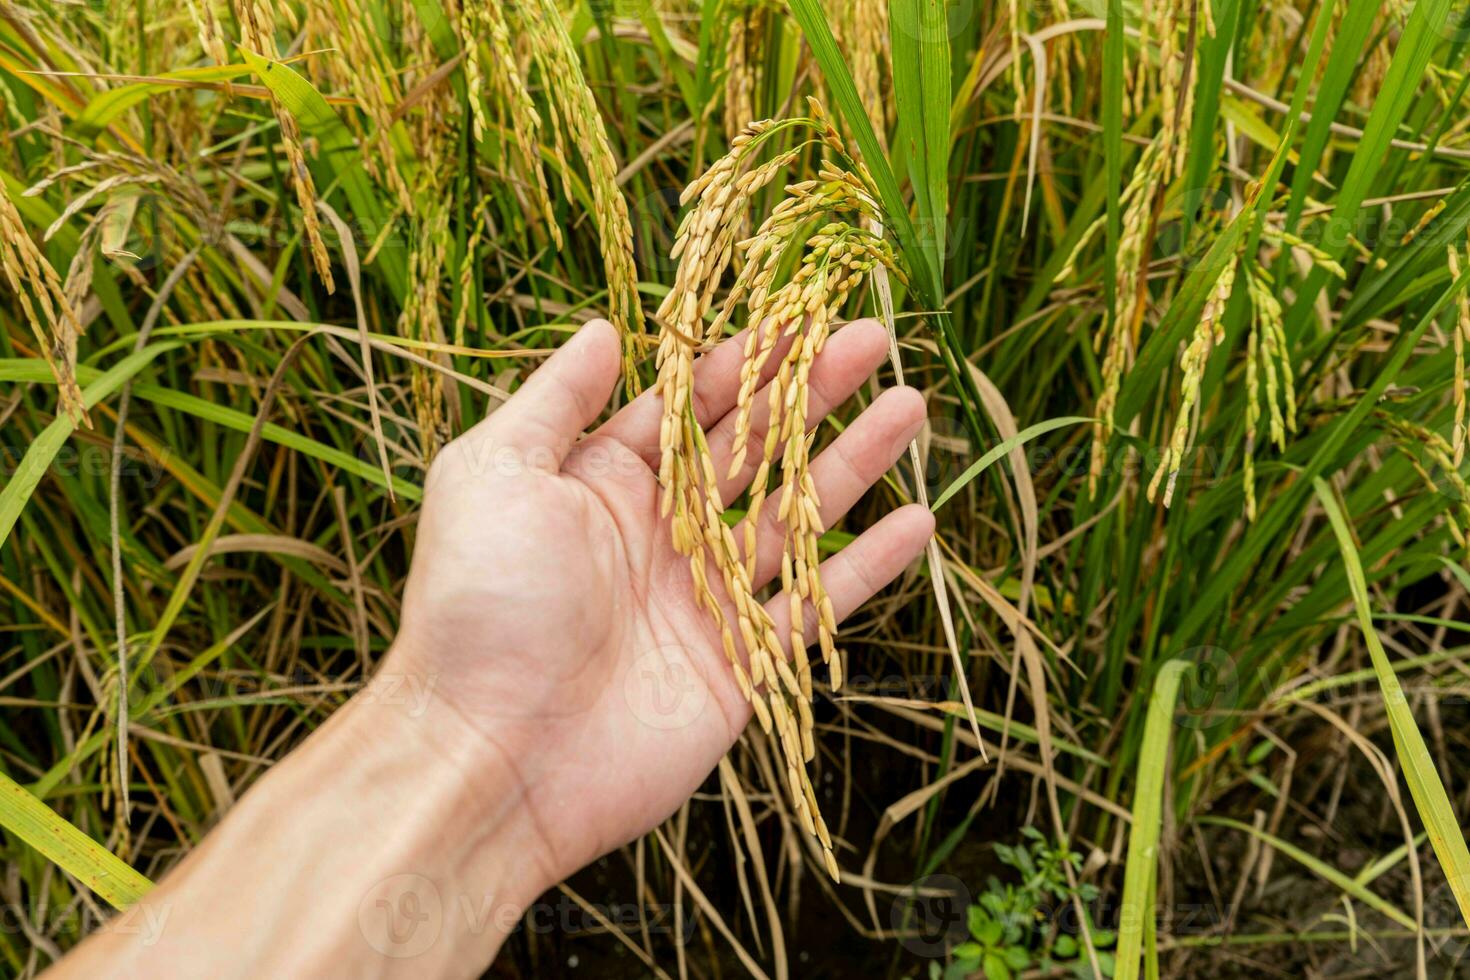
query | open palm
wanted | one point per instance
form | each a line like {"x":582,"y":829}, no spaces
{"x":550,"y":612}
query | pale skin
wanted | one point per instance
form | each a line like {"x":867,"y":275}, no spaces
{"x":553,"y":692}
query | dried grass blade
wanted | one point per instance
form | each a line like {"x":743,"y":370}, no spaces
{"x":114,"y":512}
{"x":708,"y":908}
{"x":731,"y":780}
{"x":354,"y":279}
{"x":921,"y":492}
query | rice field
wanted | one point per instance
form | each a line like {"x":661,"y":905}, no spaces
{"x":1180,"y":686}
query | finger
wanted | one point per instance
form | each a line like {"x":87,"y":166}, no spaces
{"x":716,"y":384}
{"x":562,"y":397}
{"x":848,"y":359}
{"x":845,"y":470}
{"x":856,"y":573}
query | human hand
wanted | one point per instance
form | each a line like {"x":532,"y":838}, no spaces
{"x":549,"y":610}
{"x":577,"y":696}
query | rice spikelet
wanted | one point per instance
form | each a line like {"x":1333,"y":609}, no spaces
{"x":484,"y":20}
{"x":1420,"y":445}
{"x":1461,"y":333}
{"x":1266,"y":355}
{"x":366,"y":72}
{"x":744,"y":66}
{"x":1161,"y":161}
{"x":575,"y":117}
{"x":1211,"y":331}
{"x":52,"y":316}
{"x":257,"y":32}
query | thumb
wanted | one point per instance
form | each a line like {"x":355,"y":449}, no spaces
{"x":563,"y":397}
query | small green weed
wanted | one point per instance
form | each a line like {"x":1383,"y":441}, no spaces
{"x":1013,"y":926}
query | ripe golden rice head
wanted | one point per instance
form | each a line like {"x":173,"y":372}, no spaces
{"x":1161,"y":161}
{"x":1207,"y":334}
{"x":1461,"y":334}
{"x":575,"y":119}
{"x":1266,"y":356}
{"x":483,"y":24}
{"x":52,"y":317}
{"x":821,"y":221}
{"x":257,"y":32}
{"x":358,"y":64}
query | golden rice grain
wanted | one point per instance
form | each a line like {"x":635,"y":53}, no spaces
{"x":1266,"y":354}
{"x":211,"y":37}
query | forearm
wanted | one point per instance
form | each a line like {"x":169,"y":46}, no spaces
{"x":364,"y":852}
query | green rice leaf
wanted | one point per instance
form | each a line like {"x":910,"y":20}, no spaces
{"x":812,"y":18}
{"x":1140,"y":874}
{"x":1342,"y":67}
{"x":921,"y":88}
{"x":1000,"y":449}
{"x":68,"y":848}
{"x":1430,"y":798}
{"x":339,"y":157}
{"x":106,"y":106}
{"x":1421,"y":35}
{"x":48,"y":443}
{"x":32,"y":371}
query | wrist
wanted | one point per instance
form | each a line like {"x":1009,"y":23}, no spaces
{"x":388,"y":843}
{"x":462,"y":858}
